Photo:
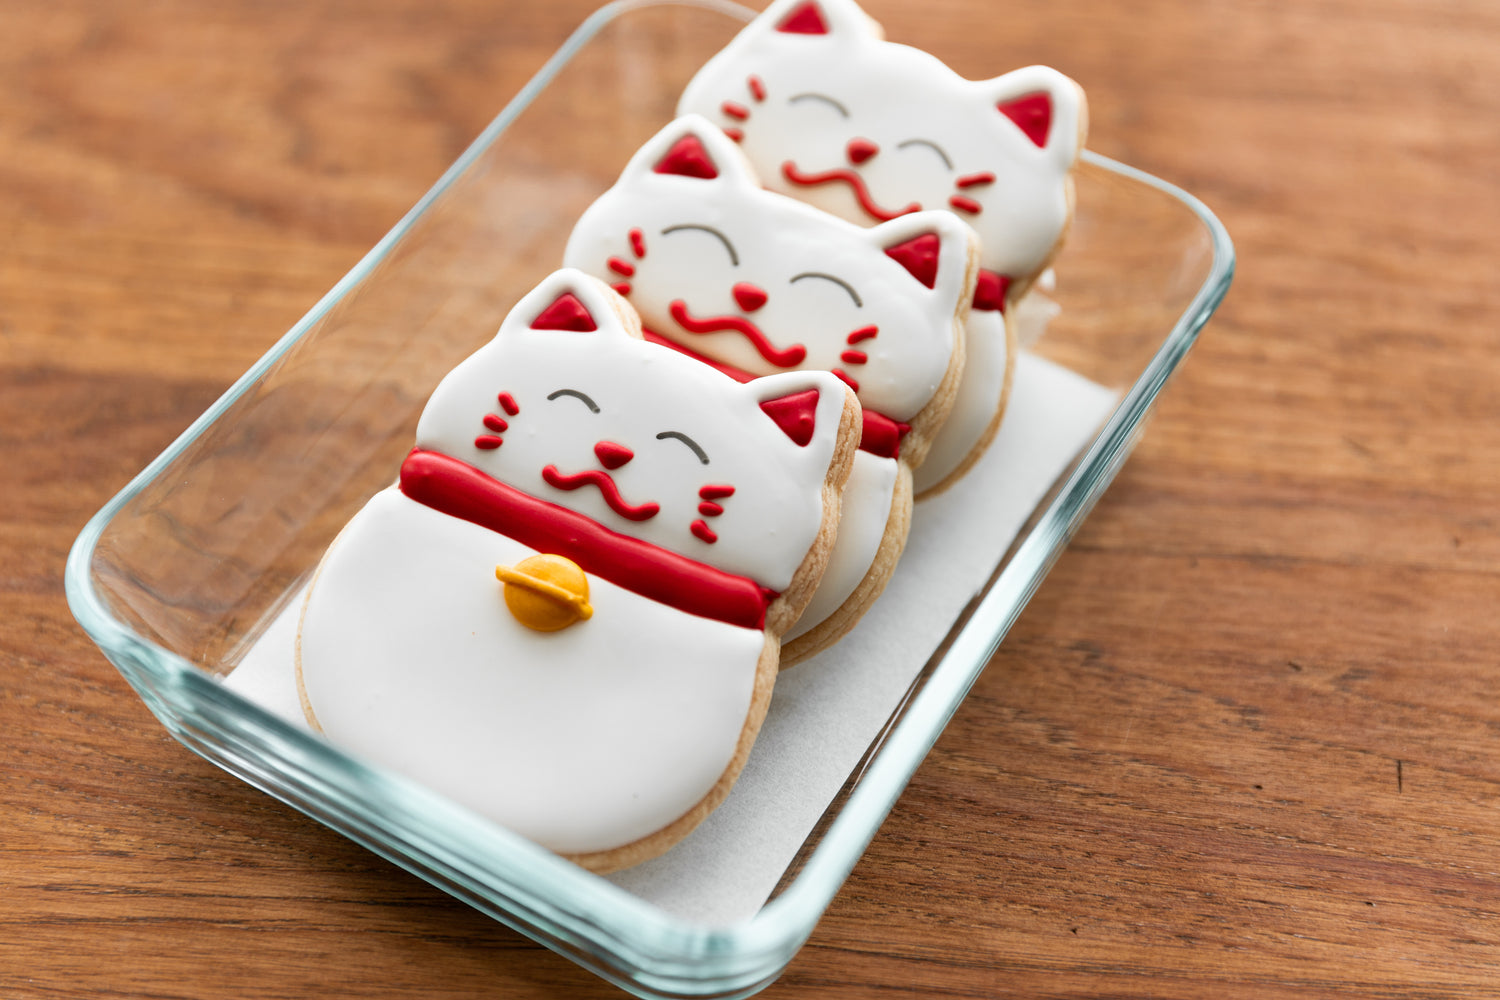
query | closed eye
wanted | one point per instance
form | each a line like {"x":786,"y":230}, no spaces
{"x":734,"y":258}
{"x":930,"y":145}
{"x":593,"y":406}
{"x":702,"y":455}
{"x":837,"y":281}
{"x":795,"y":98}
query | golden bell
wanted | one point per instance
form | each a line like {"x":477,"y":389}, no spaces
{"x":546,"y":592}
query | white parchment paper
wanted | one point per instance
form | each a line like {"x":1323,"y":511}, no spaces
{"x":825,"y":712}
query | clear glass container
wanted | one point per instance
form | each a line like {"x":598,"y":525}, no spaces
{"x":183,"y":572}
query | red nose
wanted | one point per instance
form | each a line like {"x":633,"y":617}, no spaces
{"x":612,"y":455}
{"x":749,"y":296}
{"x":860,"y":150}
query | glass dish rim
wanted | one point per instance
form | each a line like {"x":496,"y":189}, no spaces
{"x":478,"y":861}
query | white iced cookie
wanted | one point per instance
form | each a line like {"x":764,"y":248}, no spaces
{"x":830,"y":113}
{"x":567,"y":614}
{"x":753,"y":282}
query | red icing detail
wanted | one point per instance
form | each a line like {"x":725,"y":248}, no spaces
{"x":621,"y":287}
{"x":622,"y":267}
{"x":703,"y":531}
{"x":780,"y":357}
{"x":919,"y":255}
{"x":495,"y":422}
{"x":989,"y":291}
{"x":710,"y":509}
{"x":508,"y":403}
{"x":964,"y":204}
{"x":487,"y":442}
{"x":687,"y":158}
{"x":565,"y":313}
{"x":612,"y":455}
{"x":737,"y":134}
{"x":859,"y":150}
{"x":844,"y":376}
{"x":795,"y":414}
{"x":606,"y":486}
{"x":738,"y":374}
{"x":970,"y":180}
{"x":881,"y":435}
{"x":750,"y":297}
{"x":638,"y":243}
{"x":863,"y":333}
{"x":882,"y":443}
{"x":757,"y":88}
{"x":856,"y":184}
{"x":460,"y":490}
{"x":806,"y":19}
{"x":735,"y":110}
{"x":1032,"y":114}
{"x":854,"y":357}
{"x":715,"y":491}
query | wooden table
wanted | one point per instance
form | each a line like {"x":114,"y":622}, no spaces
{"x":1245,"y":742}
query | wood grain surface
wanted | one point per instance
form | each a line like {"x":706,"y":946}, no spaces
{"x":1245,"y":742}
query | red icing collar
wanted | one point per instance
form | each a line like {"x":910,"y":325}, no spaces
{"x":990,"y":291}
{"x":459,"y":490}
{"x":881,"y":436}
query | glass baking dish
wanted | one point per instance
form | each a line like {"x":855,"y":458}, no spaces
{"x":183,"y":573}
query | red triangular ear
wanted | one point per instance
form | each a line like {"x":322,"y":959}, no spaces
{"x":1032,"y":114}
{"x":795,"y":414}
{"x":565,"y":313}
{"x":919,"y":255}
{"x":688,"y":158}
{"x":804,"y":19}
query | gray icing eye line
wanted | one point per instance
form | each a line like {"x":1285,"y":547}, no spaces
{"x":734,"y":258}
{"x":929,"y":144}
{"x":702,"y":456}
{"x":593,"y":407}
{"x":837,"y":281}
{"x":819,"y":97}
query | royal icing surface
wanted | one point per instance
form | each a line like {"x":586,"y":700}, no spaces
{"x":603,"y":698}
{"x":753,"y":282}
{"x":862,"y":527}
{"x":684,"y":425}
{"x":582,"y":739}
{"x":868,"y":129}
{"x":764,"y":283}
{"x":830,"y":113}
{"x":980,"y":395}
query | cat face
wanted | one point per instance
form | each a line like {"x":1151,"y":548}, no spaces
{"x":869,"y":130}
{"x":567,"y":405}
{"x":763,"y":283}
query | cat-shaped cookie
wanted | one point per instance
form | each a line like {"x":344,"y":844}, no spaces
{"x":566,"y":615}
{"x":869,"y":130}
{"x":754,"y":282}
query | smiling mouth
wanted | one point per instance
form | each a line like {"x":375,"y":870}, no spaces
{"x":781,"y":357}
{"x":856,"y":185}
{"x":606,"y":486}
